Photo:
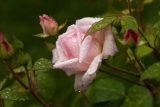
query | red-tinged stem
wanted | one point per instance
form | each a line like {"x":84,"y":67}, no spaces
{"x":132,"y":62}
{"x":122,"y":78}
{"x":33,"y":92}
{"x":15,"y":75}
{"x":139,"y":10}
{"x":129,"y":7}
{"x":138,"y":61}
{"x":120,"y":69}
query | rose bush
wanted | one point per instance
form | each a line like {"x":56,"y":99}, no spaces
{"x":78,"y":54}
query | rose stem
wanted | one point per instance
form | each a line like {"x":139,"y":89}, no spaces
{"x":138,"y":60}
{"x":119,"y":69}
{"x":33,"y":90}
{"x":132,"y":62}
{"x":122,"y":78}
{"x":14,"y":74}
{"x":129,"y":7}
{"x":1,"y":102}
{"x":155,"y":41}
{"x":139,"y":10}
{"x":38,"y":98}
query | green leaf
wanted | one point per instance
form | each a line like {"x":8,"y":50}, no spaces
{"x":153,"y":72}
{"x":105,"y":90}
{"x":156,"y":29}
{"x":128,"y":22}
{"x":42,"y":65}
{"x":14,"y":94}
{"x":42,"y":35}
{"x":120,"y":56}
{"x":27,"y":103}
{"x":143,"y":50}
{"x":20,"y":58}
{"x":100,"y":25}
{"x":17,"y":44}
{"x":79,"y":101}
{"x":62,"y":25}
{"x":138,"y":97}
{"x":46,"y":85}
{"x":2,"y":83}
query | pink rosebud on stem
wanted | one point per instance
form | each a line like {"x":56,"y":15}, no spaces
{"x":131,"y":38}
{"x":48,"y":24}
{"x":6,"y":49}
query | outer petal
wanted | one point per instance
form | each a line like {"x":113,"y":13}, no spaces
{"x":89,"y":76}
{"x":60,"y":52}
{"x":55,"y":55}
{"x":109,"y":47}
{"x":71,"y":66}
{"x":99,"y":37}
{"x":78,"y":84}
{"x":85,"y":23}
{"x":82,"y":81}
{"x":84,"y":48}
{"x":89,"y":49}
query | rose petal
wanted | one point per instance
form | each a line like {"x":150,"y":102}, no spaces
{"x":109,"y":47}
{"x":79,"y":35}
{"x":55,"y":55}
{"x":71,"y":66}
{"x":78,"y":85}
{"x":99,"y":37}
{"x":67,"y":45}
{"x":89,"y":49}
{"x":67,"y":66}
{"x":85,"y":23}
{"x":82,"y":80}
{"x":89,"y":76}
{"x":60,"y":52}
{"x":84,"y":48}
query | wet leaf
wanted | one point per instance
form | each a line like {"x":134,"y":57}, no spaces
{"x":138,"y":97}
{"x":153,"y":72}
{"x":105,"y":90}
{"x":42,"y":65}
{"x":14,"y":94}
{"x":100,"y":25}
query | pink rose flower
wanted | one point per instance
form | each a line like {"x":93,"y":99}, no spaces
{"x":48,"y":24}
{"x":81,"y":55}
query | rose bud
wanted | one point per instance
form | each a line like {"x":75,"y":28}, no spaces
{"x":131,"y":38}
{"x":6,"y":49}
{"x":82,"y":55}
{"x":49,"y":25}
